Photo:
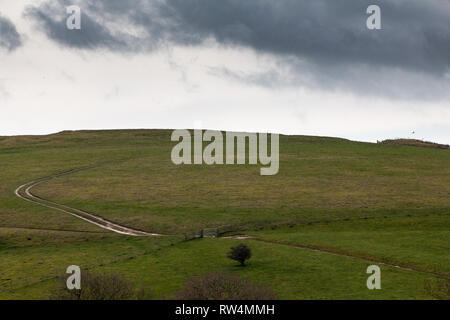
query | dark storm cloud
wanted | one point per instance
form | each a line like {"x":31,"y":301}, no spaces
{"x":9,"y":37}
{"x":52,"y":18}
{"x":415,"y":34}
{"x":320,"y":37}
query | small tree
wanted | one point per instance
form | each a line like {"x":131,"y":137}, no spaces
{"x":240,"y":253}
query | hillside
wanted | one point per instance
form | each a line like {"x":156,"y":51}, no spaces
{"x":375,"y":202}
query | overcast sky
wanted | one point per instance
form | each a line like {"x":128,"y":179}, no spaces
{"x":287,"y":66}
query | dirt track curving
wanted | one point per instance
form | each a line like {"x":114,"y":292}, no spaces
{"x":24,"y":192}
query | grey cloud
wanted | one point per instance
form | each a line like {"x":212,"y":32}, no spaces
{"x":93,"y":35}
{"x":271,"y":78}
{"x":10,"y":39}
{"x":361,"y":79}
{"x":325,"y":41}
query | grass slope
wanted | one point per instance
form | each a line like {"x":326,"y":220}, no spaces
{"x":383,"y":202}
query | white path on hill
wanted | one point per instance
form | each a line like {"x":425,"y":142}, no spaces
{"x":24,"y":192}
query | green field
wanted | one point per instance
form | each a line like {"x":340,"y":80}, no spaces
{"x":335,"y":207}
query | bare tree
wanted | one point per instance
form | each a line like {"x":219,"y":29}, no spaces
{"x":96,"y":286}
{"x":220,"y":286}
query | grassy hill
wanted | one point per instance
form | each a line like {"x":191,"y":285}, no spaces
{"x":335,"y":207}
